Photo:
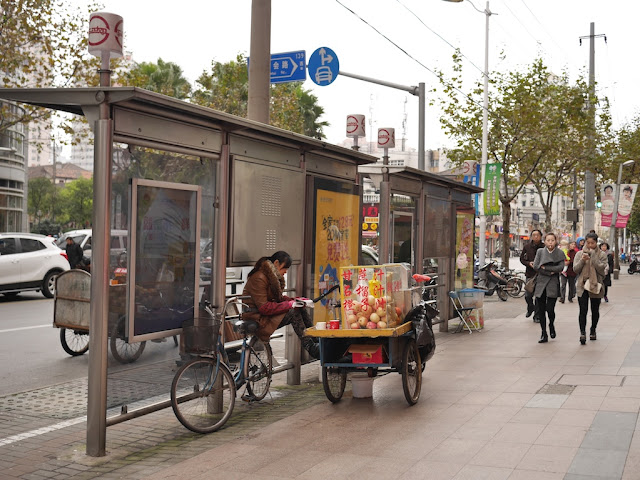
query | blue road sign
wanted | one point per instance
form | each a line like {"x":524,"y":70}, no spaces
{"x":288,"y":67}
{"x":323,"y":66}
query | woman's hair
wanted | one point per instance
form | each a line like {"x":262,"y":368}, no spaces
{"x":591,"y":235}
{"x":281,"y":256}
{"x":553,"y":235}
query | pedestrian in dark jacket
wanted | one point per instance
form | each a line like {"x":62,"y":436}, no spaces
{"x":569,"y":277}
{"x":74,"y":253}
{"x":607,"y":278}
{"x":527,"y":257}
{"x":549,"y":262}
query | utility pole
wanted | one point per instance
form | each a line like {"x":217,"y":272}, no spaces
{"x":260,"y":64}
{"x":589,"y":178}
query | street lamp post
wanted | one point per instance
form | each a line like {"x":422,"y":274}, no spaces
{"x":485,"y":132}
{"x":614,"y":218}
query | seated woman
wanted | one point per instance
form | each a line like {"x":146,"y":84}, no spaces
{"x":270,"y":307}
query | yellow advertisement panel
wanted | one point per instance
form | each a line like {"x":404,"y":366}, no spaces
{"x":337,"y":226}
{"x":464,"y":249}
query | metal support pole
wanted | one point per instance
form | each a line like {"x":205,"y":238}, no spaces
{"x":99,"y":318}
{"x":384,"y":250}
{"x":421,"y":108}
{"x":485,"y":141}
{"x":101,"y":240}
{"x":259,"y":66}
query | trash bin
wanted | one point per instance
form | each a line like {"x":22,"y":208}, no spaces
{"x":474,"y":298}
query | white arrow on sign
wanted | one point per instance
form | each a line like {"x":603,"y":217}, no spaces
{"x":324,"y":58}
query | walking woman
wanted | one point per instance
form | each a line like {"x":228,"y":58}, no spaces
{"x":590,"y":265}
{"x":549,"y":262}
{"x":607,"y":278}
{"x":270,"y":307}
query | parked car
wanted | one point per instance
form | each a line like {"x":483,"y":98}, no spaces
{"x":28,"y":262}
{"x":83,"y":238}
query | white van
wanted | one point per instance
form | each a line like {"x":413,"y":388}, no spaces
{"x":83,"y":238}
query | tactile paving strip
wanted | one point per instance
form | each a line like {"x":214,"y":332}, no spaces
{"x":69,"y":400}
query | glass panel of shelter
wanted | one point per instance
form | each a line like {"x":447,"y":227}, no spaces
{"x":131,"y":161}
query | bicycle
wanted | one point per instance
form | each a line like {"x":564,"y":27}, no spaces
{"x":203,"y":390}
{"x":515,"y":284}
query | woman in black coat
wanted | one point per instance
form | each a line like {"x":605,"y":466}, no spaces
{"x":607,"y":278}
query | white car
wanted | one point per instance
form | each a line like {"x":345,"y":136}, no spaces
{"x":28,"y":262}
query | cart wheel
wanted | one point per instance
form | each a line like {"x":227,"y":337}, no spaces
{"x":411,"y":372}
{"x":334,"y":380}
{"x":74,"y":342}
{"x":121,"y":350}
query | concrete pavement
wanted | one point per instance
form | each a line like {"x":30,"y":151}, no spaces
{"x":494,"y":405}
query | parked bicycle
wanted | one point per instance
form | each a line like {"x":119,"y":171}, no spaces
{"x":203,"y":391}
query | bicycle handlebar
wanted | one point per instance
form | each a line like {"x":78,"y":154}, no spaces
{"x":335,"y":287}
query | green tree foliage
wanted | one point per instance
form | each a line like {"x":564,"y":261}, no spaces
{"x":535,"y":119}
{"x":40,"y":201}
{"x":76,"y":200}
{"x":225,"y":87}
{"x":43,"y":43}
{"x":162,"y":77}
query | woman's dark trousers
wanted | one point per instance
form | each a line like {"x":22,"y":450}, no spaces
{"x":583,"y":301}
{"x":546,"y":306}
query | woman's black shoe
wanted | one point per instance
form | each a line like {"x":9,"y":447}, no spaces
{"x":543,"y":339}
{"x":592,"y":335}
{"x":583,"y":339}
{"x":552,"y":331}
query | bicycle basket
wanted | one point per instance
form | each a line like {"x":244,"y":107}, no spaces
{"x":200,"y":339}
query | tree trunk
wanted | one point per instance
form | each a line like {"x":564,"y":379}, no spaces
{"x":547,"y":218}
{"x":506,"y":230}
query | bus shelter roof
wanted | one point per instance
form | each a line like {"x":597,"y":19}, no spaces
{"x":86,"y":101}
{"x":415,"y":174}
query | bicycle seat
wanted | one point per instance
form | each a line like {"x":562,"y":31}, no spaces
{"x":245,"y":326}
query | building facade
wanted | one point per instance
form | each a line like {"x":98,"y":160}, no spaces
{"x":13,"y":172}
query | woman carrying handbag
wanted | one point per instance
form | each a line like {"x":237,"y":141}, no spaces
{"x":548,"y":264}
{"x":590,"y":265}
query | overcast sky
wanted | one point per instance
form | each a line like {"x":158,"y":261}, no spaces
{"x":192,"y":33}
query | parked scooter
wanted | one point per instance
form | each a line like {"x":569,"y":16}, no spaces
{"x":491,"y":281}
{"x":634,"y":267}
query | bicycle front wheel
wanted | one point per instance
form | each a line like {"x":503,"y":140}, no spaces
{"x":502,"y":294}
{"x":258,"y":369}
{"x":514,"y":287}
{"x":203,"y":395}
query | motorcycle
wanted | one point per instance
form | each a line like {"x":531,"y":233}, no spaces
{"x":491,"y":281}
{"x":634,"y":267}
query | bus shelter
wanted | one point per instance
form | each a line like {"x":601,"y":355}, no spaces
{"x":428,"y":221}
{"x":178,"y":177}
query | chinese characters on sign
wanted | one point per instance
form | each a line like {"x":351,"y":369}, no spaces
{"x":492,"y":188}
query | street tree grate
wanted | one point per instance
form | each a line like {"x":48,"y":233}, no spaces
{"x":556,"y":389}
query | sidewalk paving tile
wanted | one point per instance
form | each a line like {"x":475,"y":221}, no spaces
{"x":598,"y":463}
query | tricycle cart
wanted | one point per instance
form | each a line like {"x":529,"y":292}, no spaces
{"x":378,"y":351}
{"x":71,"y":313}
